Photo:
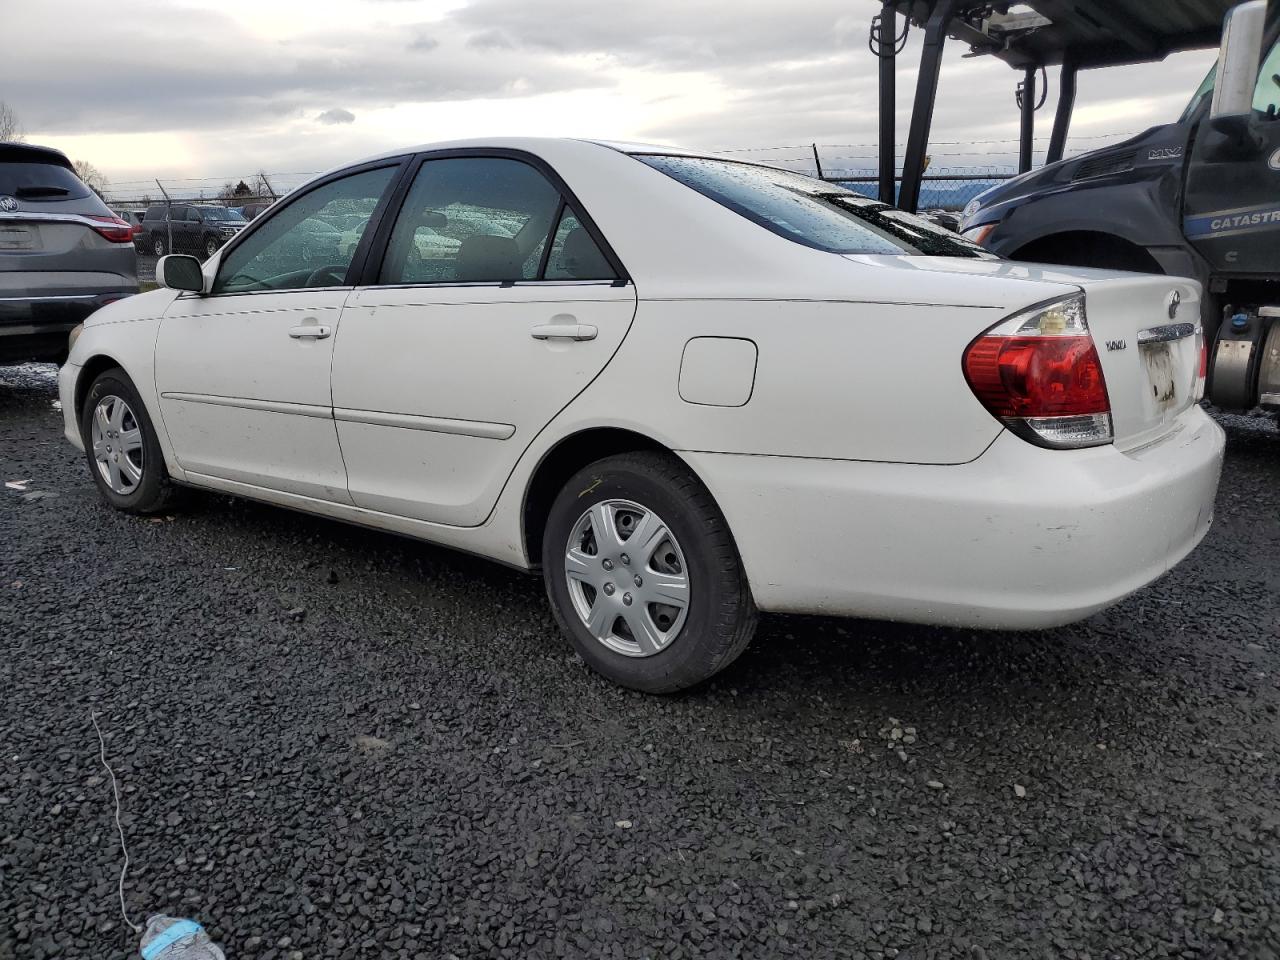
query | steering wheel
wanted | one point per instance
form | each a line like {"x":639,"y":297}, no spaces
{"x":335,"y":272}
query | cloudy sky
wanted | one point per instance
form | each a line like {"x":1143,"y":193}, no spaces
{"x":188,"y":89}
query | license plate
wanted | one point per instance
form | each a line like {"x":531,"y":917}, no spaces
{"x":16,"y":238}
{"x":1158,"y":359}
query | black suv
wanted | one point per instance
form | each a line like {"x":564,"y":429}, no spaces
{"x":63,"y":254}
{"x":197,"y":228}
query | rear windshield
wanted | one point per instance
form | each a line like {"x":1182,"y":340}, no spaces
{"x":813,"y":212}
{"x":40,"y":181}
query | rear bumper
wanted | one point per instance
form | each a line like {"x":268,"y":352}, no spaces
{"x":36,"y":327}
{"x":1019,"y":538}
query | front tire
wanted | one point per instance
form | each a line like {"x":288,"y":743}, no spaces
{"x":643,"y":576}
{"x":210,"y":247}
{"x":125,"y":459}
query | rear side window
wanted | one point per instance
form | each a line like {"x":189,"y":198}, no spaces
{"x":471,"y":220}
{"x":156,"y":212}
{"x":574,"y":255}
{"x":812,"y":212}
{"x":40,"y":181}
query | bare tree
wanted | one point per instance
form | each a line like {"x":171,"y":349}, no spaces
{"x":92,"y":177}
{"x":10,"y":127}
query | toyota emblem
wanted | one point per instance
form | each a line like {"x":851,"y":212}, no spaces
{"x":8,"y":204}
{"x":1175,"y":301}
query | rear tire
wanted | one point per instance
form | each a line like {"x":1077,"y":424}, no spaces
{"x":124,"y":455}
{"x":158,"y":246}
{"x":611,"y":605}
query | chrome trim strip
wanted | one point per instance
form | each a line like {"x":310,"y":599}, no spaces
{"x":33,"y":217}
{"x":1165,"y":333}
{"x":268,"y":406}
{"x":76,"y":296}
{"x":465,"y":428}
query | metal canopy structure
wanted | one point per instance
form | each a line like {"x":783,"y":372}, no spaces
{"x":1029,"y":36}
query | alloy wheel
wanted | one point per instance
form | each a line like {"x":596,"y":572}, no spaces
{"x":627,"y":578}
{"x":116,"y":436}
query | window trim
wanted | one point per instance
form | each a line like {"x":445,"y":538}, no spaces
{"x":358,"y":259}
{"x":380,"y":239}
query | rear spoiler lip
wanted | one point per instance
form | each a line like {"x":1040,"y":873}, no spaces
{"x":30,"y":153}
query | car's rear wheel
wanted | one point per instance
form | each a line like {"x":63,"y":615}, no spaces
{"x":158,"y":246}
{"x":643,"y":575}
{"x":120,"y":443}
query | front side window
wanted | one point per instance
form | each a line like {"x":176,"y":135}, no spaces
{"x":812,"y":212}
{"x":471,"y":220}
{"x":300,"y":245}
{"x":1204,"y":90}
{"x":1266,"y":95}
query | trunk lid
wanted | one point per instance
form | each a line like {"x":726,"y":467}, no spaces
{"x":1144,"y":327}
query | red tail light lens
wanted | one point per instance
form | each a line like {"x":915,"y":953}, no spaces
{"x":1039,"y":373}
{"x":113,"y":229}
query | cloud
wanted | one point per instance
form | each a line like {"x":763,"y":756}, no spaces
{"x":336,"y":115}
{"x":247,"y":84}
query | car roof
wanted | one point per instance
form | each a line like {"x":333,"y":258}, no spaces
{"x":534,"y":145}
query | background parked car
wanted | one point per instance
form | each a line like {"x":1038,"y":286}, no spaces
{"x":252,"y":209}
{"x":63,"y":254}
{"x":196,"y":228}
{"x":134,"y":219}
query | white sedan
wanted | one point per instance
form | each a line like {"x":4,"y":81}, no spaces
{"x":686,"y":388}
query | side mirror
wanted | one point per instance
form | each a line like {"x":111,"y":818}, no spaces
{"x":177,"y":271}
{"x":1238,"y":59}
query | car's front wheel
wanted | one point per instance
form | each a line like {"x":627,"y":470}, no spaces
{"x":643,"y":575}
{"x":210,"y":247}
{"x":120,"y":443}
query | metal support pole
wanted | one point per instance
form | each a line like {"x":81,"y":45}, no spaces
{"x":168,"y":215}
{"x":886,"y":36}
{"x":1062,"y":117}
{"x":817,"y":162}
{"x":935,"y":35}
{"x":1026,"y":137}
{"x":270,"y":189}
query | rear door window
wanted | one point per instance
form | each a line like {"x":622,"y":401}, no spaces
{"x":40,"y":181}
{"x":574,"y":254}
{"x":471,"y":220}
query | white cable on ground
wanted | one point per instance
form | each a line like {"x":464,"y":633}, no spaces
{"x":124,"y":849}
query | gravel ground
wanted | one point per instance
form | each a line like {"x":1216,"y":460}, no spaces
{"x":336,"y":743}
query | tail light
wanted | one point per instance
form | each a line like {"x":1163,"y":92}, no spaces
{"x":113,"y":229}
{"x":1038,"y":372}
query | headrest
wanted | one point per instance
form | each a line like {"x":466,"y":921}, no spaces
{"x":489,"y":258}
{"x":582,"y":259}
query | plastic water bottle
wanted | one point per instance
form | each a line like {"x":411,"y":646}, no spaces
{"x":169,"y":938}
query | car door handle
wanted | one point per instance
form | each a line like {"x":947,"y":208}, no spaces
{"x":317,"y":331}
{"x":568,"y":331}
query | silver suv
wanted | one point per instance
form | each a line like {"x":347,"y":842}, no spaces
{"x":63,"y":254}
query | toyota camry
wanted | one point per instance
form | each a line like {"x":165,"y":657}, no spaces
{"x":684,"y":388}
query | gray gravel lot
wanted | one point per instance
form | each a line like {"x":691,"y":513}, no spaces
{"x":337,"y":743}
